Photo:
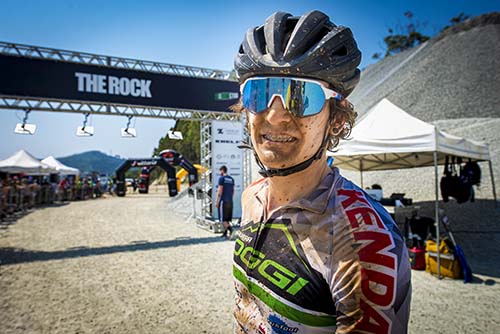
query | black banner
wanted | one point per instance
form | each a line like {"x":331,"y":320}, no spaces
{"x":27,"y":77}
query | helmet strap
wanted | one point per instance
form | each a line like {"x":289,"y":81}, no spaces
{"x":270,"y":172}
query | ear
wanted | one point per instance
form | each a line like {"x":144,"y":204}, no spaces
{"x":337,"y":124}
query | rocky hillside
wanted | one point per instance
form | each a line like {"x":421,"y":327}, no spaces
{"x":454,"y":75}
{"x":452,"y":81}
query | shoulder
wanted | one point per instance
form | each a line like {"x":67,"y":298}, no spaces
{"x":250,"y":192}
{"x":360,"y":209}
{"x":251,"y":201}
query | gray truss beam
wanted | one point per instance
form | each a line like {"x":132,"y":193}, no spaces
{"x":39,"y":52}
{"x":35,"y":104}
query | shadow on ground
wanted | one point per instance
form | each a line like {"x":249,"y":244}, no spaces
{"x":10,"y":255}
{"x":476,"y":228}
{"x":11,"y":219}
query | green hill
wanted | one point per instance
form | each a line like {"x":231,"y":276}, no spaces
{"x":92,"y":161}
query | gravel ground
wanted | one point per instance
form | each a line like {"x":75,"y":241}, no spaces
{"x":116,"y":265}
{"x":138,"y":265}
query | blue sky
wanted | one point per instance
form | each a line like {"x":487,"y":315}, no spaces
{"x":197,"y":33}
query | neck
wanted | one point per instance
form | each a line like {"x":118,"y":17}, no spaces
{"x":286,"y":189}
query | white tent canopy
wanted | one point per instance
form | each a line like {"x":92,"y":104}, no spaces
{"x":23,"y":162}
{"x":389,"y":138}
{"x":60,"y":167}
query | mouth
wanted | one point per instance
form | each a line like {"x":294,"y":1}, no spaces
{"x":278,"y":138}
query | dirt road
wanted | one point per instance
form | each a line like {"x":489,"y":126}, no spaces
{"x":137,"y":265}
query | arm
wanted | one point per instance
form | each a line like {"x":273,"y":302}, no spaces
{"x":219,"y":194}
{"x":370,"y":278}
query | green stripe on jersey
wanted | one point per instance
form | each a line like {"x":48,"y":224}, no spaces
{"x":280,"y":307}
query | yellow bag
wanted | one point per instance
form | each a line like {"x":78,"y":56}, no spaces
{"x":450,"y":267}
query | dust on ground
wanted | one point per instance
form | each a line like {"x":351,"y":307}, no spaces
{"x":138,"y":265}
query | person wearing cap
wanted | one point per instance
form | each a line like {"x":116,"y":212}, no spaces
{"x":314,"y":254}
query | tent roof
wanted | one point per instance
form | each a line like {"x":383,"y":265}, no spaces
{"x":60,"y":167}
{"x":389,"y":138}
{"x":23,"y":162}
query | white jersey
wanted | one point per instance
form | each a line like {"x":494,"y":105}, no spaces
{"x":333,"y":262}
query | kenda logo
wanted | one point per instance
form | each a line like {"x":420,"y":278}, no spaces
{"x":378,"y":272}
{"x":103,"y":84}
{"x":272,"y":271}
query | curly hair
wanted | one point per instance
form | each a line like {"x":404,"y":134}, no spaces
{"x":340,"y":111}
{"x":343,"y":112}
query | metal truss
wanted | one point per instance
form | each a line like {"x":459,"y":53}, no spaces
{"x":96,"y":108}
{"x":205,"y":219}
{"x":206,"y":161}
{"x":39,"y":52}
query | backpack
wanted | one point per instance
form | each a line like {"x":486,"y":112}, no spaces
{"x":472,"y":172}
{"x":453,"y":185}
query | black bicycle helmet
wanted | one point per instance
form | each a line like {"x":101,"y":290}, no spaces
{"x":310,"y":46}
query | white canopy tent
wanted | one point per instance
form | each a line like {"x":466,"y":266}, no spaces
{"x":60,"y":167}
{"x":23,"y":162}
{"x":389,"y":138}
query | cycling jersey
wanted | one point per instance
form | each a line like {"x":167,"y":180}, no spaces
{"x":332,"y":262}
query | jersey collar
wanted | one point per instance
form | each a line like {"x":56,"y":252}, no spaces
{"x":316,"y":202}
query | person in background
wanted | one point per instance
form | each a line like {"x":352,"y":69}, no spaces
{"x":224,"y":201}
{"x":110,"y":186}
{"x":61,"y":189}
{"x":314,"y":254}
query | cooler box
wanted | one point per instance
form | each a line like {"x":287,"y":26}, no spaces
{"x":450,"y":267}
{"x":417,"y":258}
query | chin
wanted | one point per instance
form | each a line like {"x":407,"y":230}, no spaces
{"x":275,"y":160}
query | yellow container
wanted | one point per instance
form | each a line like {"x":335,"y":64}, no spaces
{"x":450,"y":267}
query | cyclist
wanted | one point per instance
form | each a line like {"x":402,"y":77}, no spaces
{"x":314,"y":253}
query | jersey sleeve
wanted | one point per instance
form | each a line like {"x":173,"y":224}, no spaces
{"x":221,"y":181}
{"x":370,"y":274}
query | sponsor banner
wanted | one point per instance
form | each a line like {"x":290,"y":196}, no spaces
{"x":41,"y":78}
{"x":226,"y":136}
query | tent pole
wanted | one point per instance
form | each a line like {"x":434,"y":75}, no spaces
{"x":493,"y":184}
{"x":436,"y":215}
{"x":361,"y":171}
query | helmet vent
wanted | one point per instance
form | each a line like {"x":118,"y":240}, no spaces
{"x":341,"y":52}
{"x":260,"y":41}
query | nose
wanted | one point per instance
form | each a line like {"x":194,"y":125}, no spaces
{"x":277,"y":113}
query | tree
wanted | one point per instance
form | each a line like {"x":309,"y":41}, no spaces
{"x":406,"y":38}
{"x":189,"y":147}
{"x":456,"y":20}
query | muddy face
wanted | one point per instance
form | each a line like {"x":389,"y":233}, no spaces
{"x":282,"y":140}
